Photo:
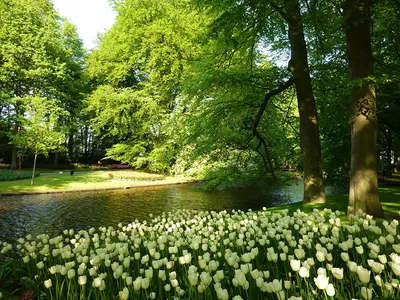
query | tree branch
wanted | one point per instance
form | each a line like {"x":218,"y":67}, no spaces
{"x":279,"y":10}
{"x":257,"y":120}
{"x":267,"y":96}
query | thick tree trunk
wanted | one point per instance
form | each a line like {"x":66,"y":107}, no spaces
{"x":363,"y":193}
{"x":310,"y":144}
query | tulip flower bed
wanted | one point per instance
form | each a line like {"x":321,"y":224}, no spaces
{"x":216,"y":255}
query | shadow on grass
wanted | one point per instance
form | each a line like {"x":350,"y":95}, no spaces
{"x":389,"y":197}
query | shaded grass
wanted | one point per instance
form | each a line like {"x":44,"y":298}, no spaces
{"x":389,"y":197}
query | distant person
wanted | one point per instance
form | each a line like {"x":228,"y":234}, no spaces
{"x":72,"y":172}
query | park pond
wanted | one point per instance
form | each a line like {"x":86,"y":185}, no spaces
{"x":52,"y":213}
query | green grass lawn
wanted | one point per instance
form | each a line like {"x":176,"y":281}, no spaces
{"x":53,"y":182}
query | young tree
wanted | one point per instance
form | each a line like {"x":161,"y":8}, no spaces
{"x":39,"y":131}
{"x":363,"y":193}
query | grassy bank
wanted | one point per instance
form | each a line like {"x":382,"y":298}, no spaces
{"x":80,"y":181}
{"x":389,"y":197}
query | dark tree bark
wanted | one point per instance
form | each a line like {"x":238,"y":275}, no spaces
{"x":389,"y":148}
{"x":314,"y":191}
{"x":86,"y":139}
{"x":14,"y":158}
{"x":56,"y":158}
{"x":363,"y":193}
{"x":257,"y":134}
{"x":17,"y":128}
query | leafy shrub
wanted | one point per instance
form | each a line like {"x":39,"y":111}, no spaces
{"x":9,"y":175}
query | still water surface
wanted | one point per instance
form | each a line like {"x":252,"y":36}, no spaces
{"x":52,"y":213}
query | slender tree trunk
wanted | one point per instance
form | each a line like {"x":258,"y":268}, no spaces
{"x":363,"y":193}
{"x":71,"y":146}
{"x":314,"y":191}
{"x":34,"y":169}
{"x":86,"y":139}
{"x":17,"y":128}
{"x":56,"y":158}
{"x":389,"y":142}
{"x":14,"y":158}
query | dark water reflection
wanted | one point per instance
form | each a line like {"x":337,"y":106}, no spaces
{"x":52,"y":213}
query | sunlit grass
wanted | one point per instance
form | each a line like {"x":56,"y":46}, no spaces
{"x":80,"y":181}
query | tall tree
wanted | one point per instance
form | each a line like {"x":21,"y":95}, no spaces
{"x":73,"y":86}
{"x":363,"y":193}
{"x":138,"y":68}
{"x":31,"y":55}
{"x":310,"y":144}
{"x":258,"y":21}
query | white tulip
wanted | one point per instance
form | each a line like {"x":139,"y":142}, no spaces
{"x":366,"y":293}
{"x":295,"y":265}
{"x":337,"y":273}
{"x":276,"y":285}
{"x":395,"y":258}
{"x":395,"y":268}
{"x":48,"y":284}
{"x":82,"y":279}
{"x":96,"y":282}
{"x":382,"y":258}
{"x":363,"y":274}
{"x":304,"y":272}
{"x":124,"y":294}
{"x":375,"y":266}
{"x":378,"y":280}
{"x":137,"y":284}
{"x":330,"y":290}
{"x":145,"y":283}
{"x":71,"y":273}
{"x":353,"y":267}
{"x":344,"y":256}
{"x":321,"y":281}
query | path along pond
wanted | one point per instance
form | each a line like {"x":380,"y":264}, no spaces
{"x":53,"y":213}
